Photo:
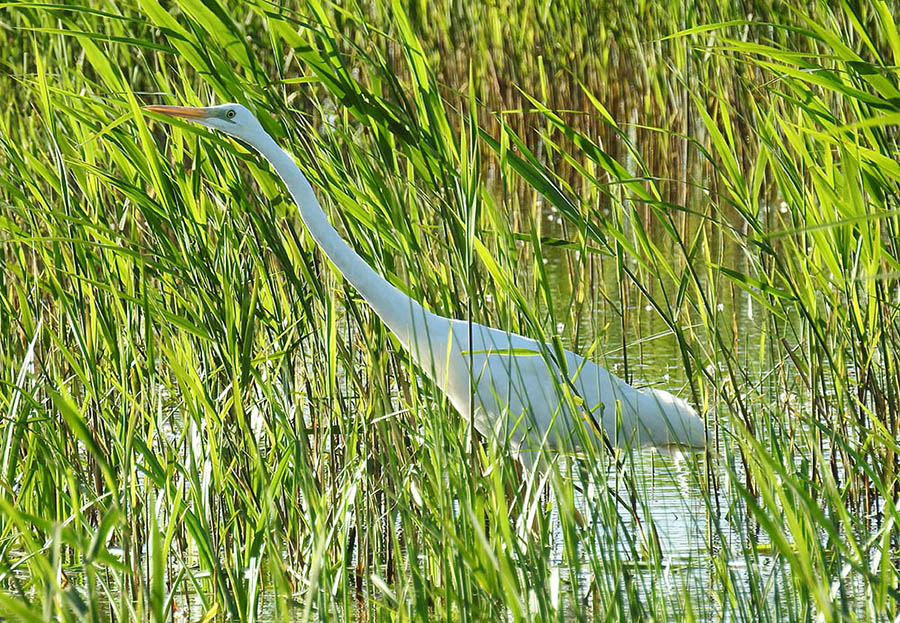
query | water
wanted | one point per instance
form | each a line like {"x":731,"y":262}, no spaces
{"x":695,"y":540}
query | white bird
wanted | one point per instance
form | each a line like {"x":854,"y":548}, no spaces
{"x":520,"y":393}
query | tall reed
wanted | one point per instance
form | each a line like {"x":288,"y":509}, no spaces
{"x":203,"y":419}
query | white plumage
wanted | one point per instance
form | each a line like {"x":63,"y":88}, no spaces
{"x":522,"y":395}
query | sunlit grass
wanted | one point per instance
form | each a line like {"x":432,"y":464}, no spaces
{"x":202,"y":418}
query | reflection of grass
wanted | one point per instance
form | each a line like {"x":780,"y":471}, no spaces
{"x":194,"y":403}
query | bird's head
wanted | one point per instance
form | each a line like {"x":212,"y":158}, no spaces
{"x":232,"y":119}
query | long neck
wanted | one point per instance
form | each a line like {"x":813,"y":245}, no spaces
{"x":397,"y":310}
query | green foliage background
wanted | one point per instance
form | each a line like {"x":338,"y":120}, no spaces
{"x":198,"y":414}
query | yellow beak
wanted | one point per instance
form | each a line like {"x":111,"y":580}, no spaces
{"x":184,"y":112}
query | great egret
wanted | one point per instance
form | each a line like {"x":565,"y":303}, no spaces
{"x":520,"y":393}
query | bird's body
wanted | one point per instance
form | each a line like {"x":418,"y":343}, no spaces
{"x":519,"y":392}
{"x":513,"y":387}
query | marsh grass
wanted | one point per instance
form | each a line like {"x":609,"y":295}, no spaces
{"x":199,"y":411}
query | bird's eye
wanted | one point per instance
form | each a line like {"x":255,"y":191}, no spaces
{"x":230,"y":114}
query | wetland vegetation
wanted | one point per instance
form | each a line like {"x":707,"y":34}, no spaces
{"x":202,"y":421}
